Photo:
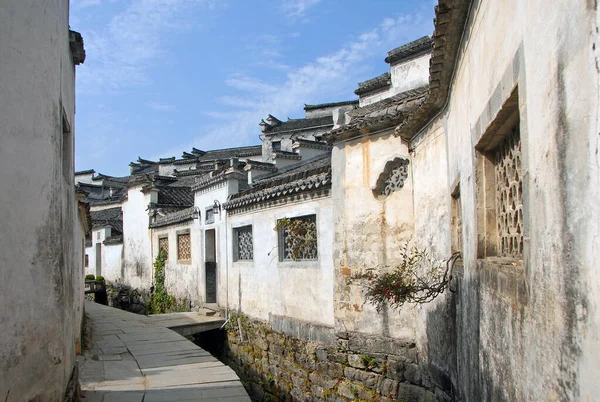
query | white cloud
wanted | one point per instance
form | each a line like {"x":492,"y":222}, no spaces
{"x":121,"y":51}
{"x":249,"y":84}
{"x":326,"y":79}
{"x":298,"y":8}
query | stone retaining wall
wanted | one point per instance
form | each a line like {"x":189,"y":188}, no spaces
{"x":280,"y":367}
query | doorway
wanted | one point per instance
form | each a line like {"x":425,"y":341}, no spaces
{"x":210,"y":270}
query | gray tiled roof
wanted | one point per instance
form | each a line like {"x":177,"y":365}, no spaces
{"x":306,"y":176}
{"x":183,"y":215}
{"x":414,"y":48}
{"x":385,"y":113}
{"x":175,"y":196}
{"x":111,"y":217}
{"x":312,"y":144}
{"x":299,"y":125}
{"x":112,"y":240}
{"x":381,"y":81}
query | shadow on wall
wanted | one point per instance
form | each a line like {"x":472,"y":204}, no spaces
{"x":457,"y":361}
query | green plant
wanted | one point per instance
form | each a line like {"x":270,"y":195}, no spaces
{"x":301,"y":235}
{"x":418,"y":279}
{"x":368,"y":361}
{"x":160,"y":301}
{"x":270,"y":379}
{"x":99,"y":278}
{"x":90,"y":277}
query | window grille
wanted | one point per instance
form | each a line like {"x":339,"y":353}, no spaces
{"x":184,"y":247}
{"x":163,"y":244}
{"x":243,"y":247}
{"x":509,"y":191}
{"x":287,"y":242}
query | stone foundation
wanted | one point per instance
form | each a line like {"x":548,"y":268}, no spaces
{"x":353,"y":367}
{"x":126,"y":298}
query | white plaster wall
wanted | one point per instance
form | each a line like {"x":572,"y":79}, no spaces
{"x":369,"y":232}
{"x":308,"y":153}
{"x":545,"y":346}
{"x":39,"y":266}
{"x":182,"y":279}
{"x":111,"y":262}
{"x":137,"y":245}
{"x":166,"y":169}
{"x":84,"y":178}
{"x":298,"y":289}
{"x":374,"y":97}
{"x":410,"y":74}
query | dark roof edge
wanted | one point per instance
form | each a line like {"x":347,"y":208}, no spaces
{"x":410,"y":50}
{"x":80,"y":172}
{"x":332,"y":104}
{"x":450,"y":21}
{"x":381,"y":81}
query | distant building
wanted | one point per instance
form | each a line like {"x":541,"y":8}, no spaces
{"x":43,"y":221}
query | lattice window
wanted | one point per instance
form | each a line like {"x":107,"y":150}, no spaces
{"x":287,"y":242}
{"x":163,"y":244}
{"x":244,"y":247}
{"x":184,"y":251}
{"x":509,"y":196}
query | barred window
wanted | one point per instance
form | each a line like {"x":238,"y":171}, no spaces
{"x":243,"y":246}
{"x":298,"y":239}
{"x":184,"y":247}
{"x":163,"y":244}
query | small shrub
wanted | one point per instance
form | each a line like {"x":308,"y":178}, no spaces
{"x":418,"y":279}
{"x":90,"y":277}
{"x":99,"y":278}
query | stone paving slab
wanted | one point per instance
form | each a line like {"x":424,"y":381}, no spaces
{"x":135,"y":358}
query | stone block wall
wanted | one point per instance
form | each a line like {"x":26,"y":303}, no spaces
{"x":280,"y":367}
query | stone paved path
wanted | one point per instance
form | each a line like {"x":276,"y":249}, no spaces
{"x":133,"y":359}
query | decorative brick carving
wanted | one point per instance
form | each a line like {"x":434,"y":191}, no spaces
{"x":509,"y":199}
{"x":392,"y":178}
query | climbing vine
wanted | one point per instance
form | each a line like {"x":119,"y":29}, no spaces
{"x":160,"y":302}
{"x":418,"y":278}
{"x":300,"y":237}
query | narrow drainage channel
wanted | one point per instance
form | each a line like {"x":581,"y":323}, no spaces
{"x":258,"y":387}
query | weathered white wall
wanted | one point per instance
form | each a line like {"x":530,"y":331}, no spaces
{"x":369,"y":231}
{"x":38,"y":263}
{"x":532,"y":333}
{"x":296,"y":289}
{"x":137,"y":245}
{"x":410,"y":74}
{"x":182,"y":279}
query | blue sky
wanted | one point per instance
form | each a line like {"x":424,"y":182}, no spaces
{"x":163,"y":76}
